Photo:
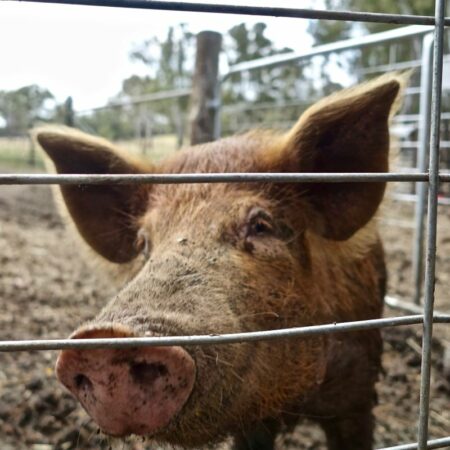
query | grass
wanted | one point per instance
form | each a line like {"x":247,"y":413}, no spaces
{"x":16,"y":154}
{"x":160,"y":147}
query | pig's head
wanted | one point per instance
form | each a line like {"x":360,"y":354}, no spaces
{"x":221,"y":258}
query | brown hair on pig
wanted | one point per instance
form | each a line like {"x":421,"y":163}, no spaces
{"x":244,"y":257}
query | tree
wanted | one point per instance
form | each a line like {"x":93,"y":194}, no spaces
{"x":112,"y":123}
{"x":168,"y":61}
{"x":331,"y":31}
{"x":168,"y":64}
{"x":257,"y":93}
{"x":21,"y":108}
{"x":416,"y":7}
{"x":244,"y":44}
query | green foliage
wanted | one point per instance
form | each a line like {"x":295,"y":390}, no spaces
{"x":112,"y":123}
{"x":246,"y":44}
{"x":372,"y":56}
{"x":417,"y":7}
{"x":332,"y":31}
{"x":167,"y":61}
{"x":325,"y":31}
{"x":21,"y":108}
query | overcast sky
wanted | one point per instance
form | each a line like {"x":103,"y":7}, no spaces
{"x":83,"y":51}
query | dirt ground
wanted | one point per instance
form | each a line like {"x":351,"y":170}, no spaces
{"x":46,"y":290}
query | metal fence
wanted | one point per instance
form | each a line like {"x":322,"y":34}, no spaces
{"x":431,"y":178}
{"x":418,"y":120}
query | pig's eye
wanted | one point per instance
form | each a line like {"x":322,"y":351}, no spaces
{"x":260,"y":227}
{"x":143,"y":243}
{"x":260,"y":223}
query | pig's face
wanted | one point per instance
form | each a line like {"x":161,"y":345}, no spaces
{"x":216,"y":259}
{"x":208,"y":273}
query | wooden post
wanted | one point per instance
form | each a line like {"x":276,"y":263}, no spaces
{"x":205,"y":100}
{"x":69,"y":116}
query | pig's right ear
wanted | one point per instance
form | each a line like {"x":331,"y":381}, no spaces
{"x":105,"y":216}
{"x":347,"y":132}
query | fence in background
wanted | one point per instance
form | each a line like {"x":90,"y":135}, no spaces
{"x":410,"y":126}
{"x":430,"y":133}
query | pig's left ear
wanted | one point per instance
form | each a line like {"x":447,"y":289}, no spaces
{"x":347,"y":132}
{"x":104,"y":215}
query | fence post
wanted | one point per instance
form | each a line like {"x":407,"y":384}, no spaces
{"x":69,"y":115}
{"x":205,"y":89}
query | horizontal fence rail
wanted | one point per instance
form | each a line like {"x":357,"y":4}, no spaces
{"x":402,"y":305}
{"x":167,"y":341}
{"x":398,"y":19}
{"x":154,"y":97}
{"x":434,"y":443}
{"x":325,"y":49}
{"x":8,"y":179}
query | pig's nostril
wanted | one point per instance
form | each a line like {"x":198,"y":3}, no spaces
{"x":147,"y":373}
{"x":129,"y":392}
{"x":82,"y":382}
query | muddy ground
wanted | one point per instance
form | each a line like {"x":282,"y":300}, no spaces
{"x":46,"y":290}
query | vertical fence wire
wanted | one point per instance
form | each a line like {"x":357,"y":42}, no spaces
{"x":433,"y":187}
{"x":422,"y":163}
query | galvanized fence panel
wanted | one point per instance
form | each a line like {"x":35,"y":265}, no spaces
{"x":433,"y":177}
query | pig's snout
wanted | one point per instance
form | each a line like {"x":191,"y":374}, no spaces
{"x":131,"y":391}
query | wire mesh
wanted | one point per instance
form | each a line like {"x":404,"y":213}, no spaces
{"x":433,"y":178}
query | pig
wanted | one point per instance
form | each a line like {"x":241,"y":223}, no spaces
{"x":237,"y":257}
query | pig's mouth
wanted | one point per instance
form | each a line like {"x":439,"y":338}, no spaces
{"x":137,"y":391}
